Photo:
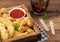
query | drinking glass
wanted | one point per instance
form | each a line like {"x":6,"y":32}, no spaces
{"x":39,"y":6}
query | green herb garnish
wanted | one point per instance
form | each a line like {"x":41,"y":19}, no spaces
{"x":16,"y":26}
{"x":46,"y":16}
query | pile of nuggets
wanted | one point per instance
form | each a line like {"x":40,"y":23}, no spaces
{"x":7,"y":30}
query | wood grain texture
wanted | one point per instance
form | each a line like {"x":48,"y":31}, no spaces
{"x":53,"y":8}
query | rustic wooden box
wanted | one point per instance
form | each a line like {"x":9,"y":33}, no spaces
{"x":28,"y":36}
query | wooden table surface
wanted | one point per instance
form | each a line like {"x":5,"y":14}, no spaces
{"x":54,"y":8}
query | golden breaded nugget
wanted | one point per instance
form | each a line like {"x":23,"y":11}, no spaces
{"x":1,"y":24}
{"x":23,"y":22}
{"x":1,"y":19}
{"x":3,"y":10}
{"x":11,"y":19}
{"x":30,"y":23}
{"x":11,"y":30}
{"x":7,"y":23}
{"x":16,"y":34}
{"x":18,"y":21}
{"x":26,"y":19}
{"x":4,"y":32}
{"x":30,"y":31}
{"x":27,"y":27}
{"x":22,"y":29}
{"x":5,"y":15}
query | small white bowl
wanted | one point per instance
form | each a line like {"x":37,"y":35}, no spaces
{"x":19,"y":9}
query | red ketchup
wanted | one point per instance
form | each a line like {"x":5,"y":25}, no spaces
{"x":17,"y":13}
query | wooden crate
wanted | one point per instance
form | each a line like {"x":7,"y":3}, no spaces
{"x":27,"y":36}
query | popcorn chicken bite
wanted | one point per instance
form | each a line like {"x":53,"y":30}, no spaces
{"x":18,"y":21}
{"x":3,"y":10}
{"x":22,"y":29}
{"x":26,"y":18}
{"x":5,"y":15}
{"x":27,"y":27}
{"x":4,"y":32}
{"x":30,"y":23}
{"x":30,"y":31}
{"x":2,"y":19}
{"x":7,"y":23}
{"x":23,"y":22}
{"x":11,"y":31}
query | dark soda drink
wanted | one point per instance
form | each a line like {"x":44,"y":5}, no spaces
{"x":39,"y":6}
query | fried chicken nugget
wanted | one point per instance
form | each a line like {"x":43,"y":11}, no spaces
{"x":1,"y":24}
{"x":11,"y":30}
{"x":9,"y":26}
{"x":17,"y":34}
{"x":23,"y":22}
{"x":5,"y":15}
{"x":18,"y":21}
{"x":7,"y":23}
{"x":30,"y":23}
{"x":4,"y":32}
{"x":26,"y":19}
{"x":27,"y":27}
{"x":30,"y":31}
{"x":1,"y":19}
{"x":22,"y":29}
{"x":11,"y":19}
{"x":3,"y":10}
